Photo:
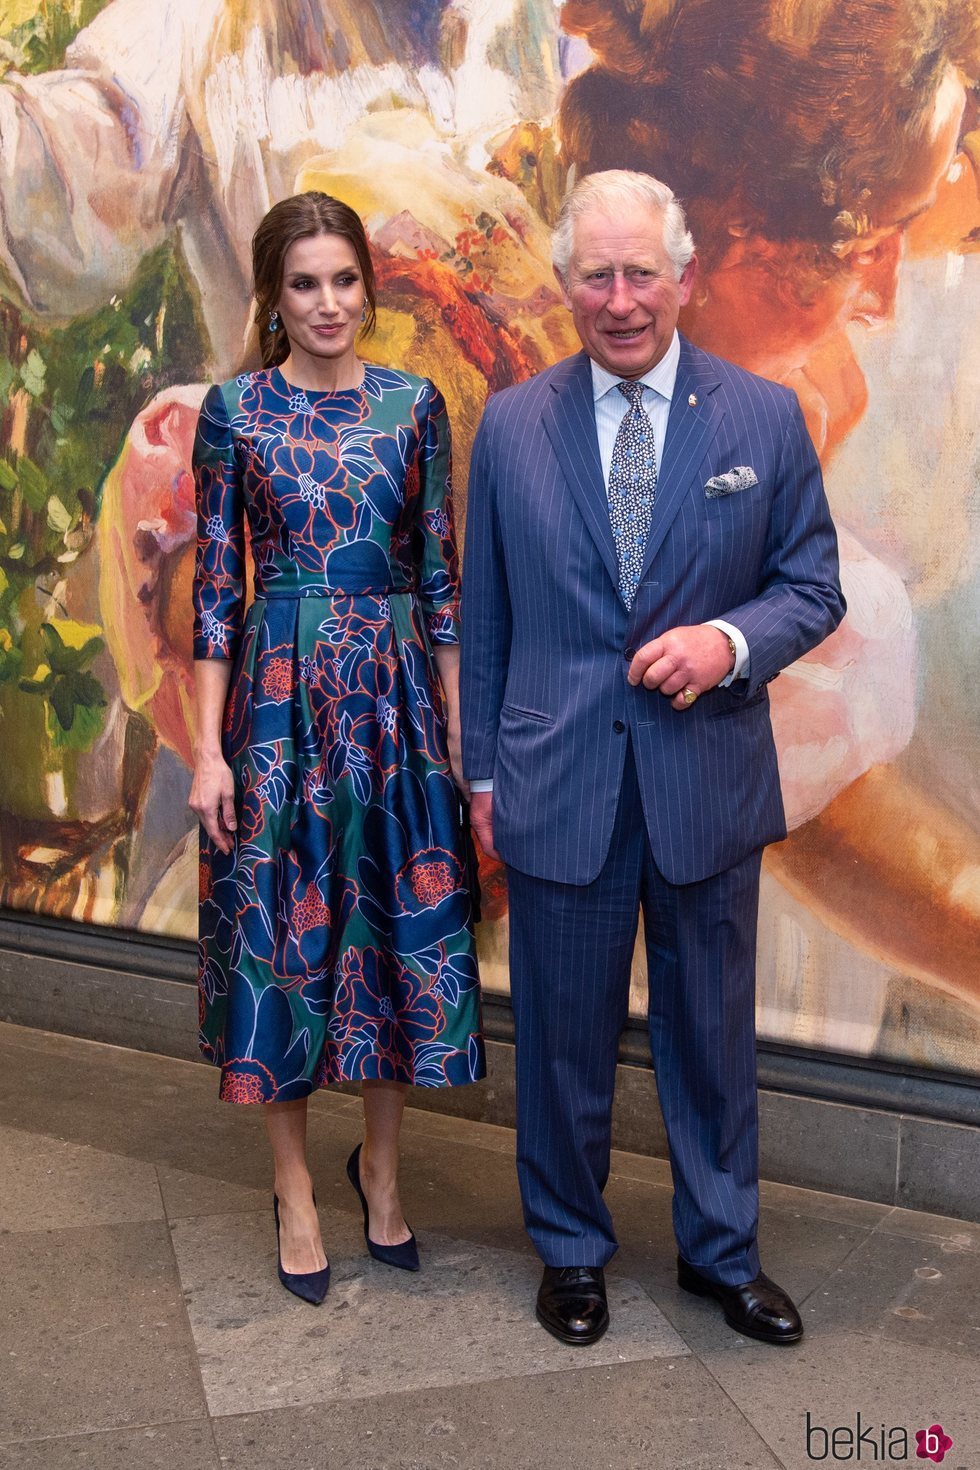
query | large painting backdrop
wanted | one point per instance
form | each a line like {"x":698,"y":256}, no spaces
{"x":828,"y":154}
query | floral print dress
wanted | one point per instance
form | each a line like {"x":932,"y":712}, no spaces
{"x":336,"y":939}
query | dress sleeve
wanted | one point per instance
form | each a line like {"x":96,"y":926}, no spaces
{"x":439,"y":557}
{"x":219,"y":569}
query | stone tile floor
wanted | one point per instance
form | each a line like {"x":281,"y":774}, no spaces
{"x":142,"y":1326}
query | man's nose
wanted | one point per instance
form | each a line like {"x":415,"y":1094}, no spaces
{"x":620,"y":300}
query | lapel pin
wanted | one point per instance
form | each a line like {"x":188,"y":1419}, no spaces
{"x":693,"y":400}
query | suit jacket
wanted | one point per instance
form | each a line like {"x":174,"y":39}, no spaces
{"x":547,"y":639}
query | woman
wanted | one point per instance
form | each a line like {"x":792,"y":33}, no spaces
{"x":336,"y":936}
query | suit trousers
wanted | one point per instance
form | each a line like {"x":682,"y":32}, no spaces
{"x":570,"y":953}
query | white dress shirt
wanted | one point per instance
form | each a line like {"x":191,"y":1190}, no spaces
{"x":611,"y":408}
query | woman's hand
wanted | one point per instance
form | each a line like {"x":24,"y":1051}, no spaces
{"x":213,"y":789}
{"x":447,"y":666}
{"x":455,"y":741}
{"x":213,"y":799}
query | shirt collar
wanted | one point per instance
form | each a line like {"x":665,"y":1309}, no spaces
{"x":661,"y":377}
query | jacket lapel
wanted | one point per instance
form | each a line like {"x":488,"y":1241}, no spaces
{"x":690,"y":429}
{"x":569,"y":421}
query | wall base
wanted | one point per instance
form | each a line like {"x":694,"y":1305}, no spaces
{"x":826,"y":1123}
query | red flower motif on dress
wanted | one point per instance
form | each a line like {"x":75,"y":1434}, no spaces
{"x":251,"y":1082}
{"x":427,"y":878}
{"x":277,"y":680}
{"x":310,"y":912}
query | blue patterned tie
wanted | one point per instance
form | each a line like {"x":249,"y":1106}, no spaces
{"x":632,"y":489}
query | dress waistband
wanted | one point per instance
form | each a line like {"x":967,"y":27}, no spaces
{"x":316,"y":589}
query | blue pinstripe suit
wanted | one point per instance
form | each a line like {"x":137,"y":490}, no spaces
{"x":606,"y":798}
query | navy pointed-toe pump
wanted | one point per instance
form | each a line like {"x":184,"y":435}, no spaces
{"x":405,"y":1255}
{"x":311,"y":1286}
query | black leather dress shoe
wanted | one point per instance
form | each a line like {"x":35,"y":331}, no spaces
{"x":572,"y":1303}
{"x":758,"y":1308}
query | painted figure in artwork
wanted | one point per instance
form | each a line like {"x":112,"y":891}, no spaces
{"x":828,"y":158}
{"x":811,"y":141}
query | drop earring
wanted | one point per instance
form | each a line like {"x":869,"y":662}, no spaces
{"x":273,"y":321}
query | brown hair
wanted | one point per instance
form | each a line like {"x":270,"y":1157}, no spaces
{"x":300,"y":218}
{"x":786,"y":118}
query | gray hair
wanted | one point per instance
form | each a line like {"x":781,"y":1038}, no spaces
{"x":601,"y":191}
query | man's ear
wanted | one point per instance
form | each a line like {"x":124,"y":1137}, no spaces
{"x":686,"y":283}
{"x":563,"y":288}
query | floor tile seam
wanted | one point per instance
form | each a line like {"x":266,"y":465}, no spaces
{"x":831,"y":1219}
{"x":67,"y":1039}
{"x":127,"y":1428}
{"x":929,"y":1238}
{"x":784,"y":1209}
{"x":124,"y":1224}
{"x":736,"y":1343}
{"x":882,"y":1340}
{"x":420,"y":1117}
{"x":831,"y":1342}
{"x":34,"y":1132}
{"x":838,"y":1267}
{"x":743,"y":1416}
{"x":614,"y":1276}
{"x":473,"y":1143}
{"x":639,"y":1179}
{"x":577,"y":1365}
{"x":189,"y":1328}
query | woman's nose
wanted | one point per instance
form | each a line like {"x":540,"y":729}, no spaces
{"x":879,"y":279}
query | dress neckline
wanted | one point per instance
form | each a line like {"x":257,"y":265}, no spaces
{"x":293,"y":388}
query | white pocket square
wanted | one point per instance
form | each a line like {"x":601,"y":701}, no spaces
{"x":742,"y":477}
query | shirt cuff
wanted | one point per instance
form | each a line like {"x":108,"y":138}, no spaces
{"x":741,"y":669}
{"x":485,"y":784}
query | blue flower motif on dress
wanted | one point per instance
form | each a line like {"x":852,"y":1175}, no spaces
{"x":215,"y":632}
{"x":313,"y":492}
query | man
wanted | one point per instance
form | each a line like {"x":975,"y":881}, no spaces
{"x":648,"y":545}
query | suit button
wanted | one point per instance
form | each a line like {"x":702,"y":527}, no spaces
{"x":629,"y":654}
{"x":618,"y":726}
